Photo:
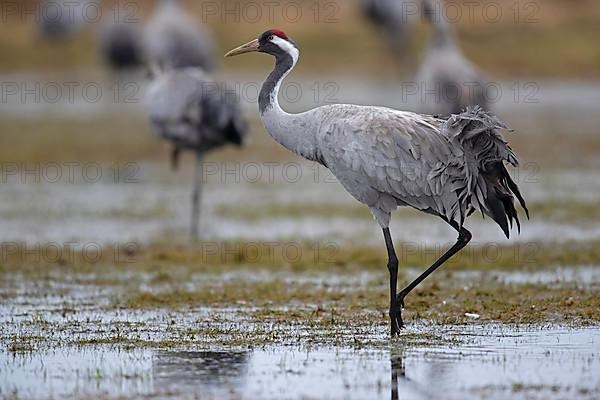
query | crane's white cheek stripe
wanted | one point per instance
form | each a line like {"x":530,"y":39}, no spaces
{"x":287,"y":47}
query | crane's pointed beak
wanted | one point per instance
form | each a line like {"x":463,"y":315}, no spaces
{"x":245,"y":48}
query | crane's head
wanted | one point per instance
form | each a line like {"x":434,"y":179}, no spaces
{"x":274,"y":42}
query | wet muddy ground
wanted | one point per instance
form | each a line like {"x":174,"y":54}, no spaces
{"x":88,"y":331}
{"x":235,"y":330}
{"x":102,"y":295}
{"x":491,"y":362}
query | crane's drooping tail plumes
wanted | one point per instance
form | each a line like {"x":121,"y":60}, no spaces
{"x":489,"y":187}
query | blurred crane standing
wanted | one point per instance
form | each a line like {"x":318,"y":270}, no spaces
{"x":195,"y":113}
{"x":174,"y":40}
{"x":454,"y":81}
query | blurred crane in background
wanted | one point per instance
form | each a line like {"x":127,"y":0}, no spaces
{"x":457,"y":83}
{"x":176,"y":41}
{"x":121,"y":45}
{"x":62,"y":18}
{"x":394,"y":18}
{"x":189,"y":109}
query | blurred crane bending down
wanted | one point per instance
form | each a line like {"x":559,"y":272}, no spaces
{"x":195,"y":113}
{"x":444,"y":71}
{"x":174,"y":40}
{"x":387,"y":158}
{"x":121,"y":44}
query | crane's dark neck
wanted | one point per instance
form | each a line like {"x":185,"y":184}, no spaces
{"x":268,"y":94}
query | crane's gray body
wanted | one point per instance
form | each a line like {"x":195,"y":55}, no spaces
{"x":445,"y":71}
{"x":387,"y":158}
{"x":189,"y":109}
{"x":174,"y":40}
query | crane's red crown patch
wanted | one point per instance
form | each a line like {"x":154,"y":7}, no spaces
{"x":280,"y":33}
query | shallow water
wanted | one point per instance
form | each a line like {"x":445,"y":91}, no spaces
{"x":493,"y":362}
{"x":584,"y":276}
{"x":157,"y":207}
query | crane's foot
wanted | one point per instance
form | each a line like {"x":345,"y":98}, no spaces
{"x":396,"y":322}
{"x":399,"y":322}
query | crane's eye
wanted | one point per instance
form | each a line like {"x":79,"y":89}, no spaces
{"x":271,"y":37}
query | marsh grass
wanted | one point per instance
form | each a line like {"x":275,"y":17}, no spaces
{"x":237,"y":303}
{"x":40,"y":263}
{"x":274,"y":312}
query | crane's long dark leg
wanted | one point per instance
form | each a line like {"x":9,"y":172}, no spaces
{"x":464,"y":237}
{"x":175,"y":156}
{"x":196,"y":196}
{"x":392,"y":266}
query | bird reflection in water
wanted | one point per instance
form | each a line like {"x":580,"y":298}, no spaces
{"x":403,"y":387}
{"x":398,"y":370}
{"x":205,"y":373}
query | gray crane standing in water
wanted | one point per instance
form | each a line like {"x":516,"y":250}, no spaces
{"x":445,"y":71}
{"x":121,"y":44}
{"x":174,"y":40}
{"x":195,"y":113}
{"x":387,"y":158}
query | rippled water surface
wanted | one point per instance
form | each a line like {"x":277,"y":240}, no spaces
{"x":492,"y":362}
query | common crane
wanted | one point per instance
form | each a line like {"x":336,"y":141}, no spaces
{"x":60,"y":19}
{"x":448,"y":82}
{"x":121,"y":45}
{"x":189,"y":109}
{"x":174,"y":40}
{"x":387,"y":158}
{"x":394,"y":18}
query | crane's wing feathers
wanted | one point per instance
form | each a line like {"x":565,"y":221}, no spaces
{"x":394,"y":153}
{"x":437,"y":166}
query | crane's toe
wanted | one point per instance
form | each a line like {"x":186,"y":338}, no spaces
{"x":396,"y":322}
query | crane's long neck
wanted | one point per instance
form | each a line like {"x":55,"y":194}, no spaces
{"x":296,"y":132}
{"x":268,"y":98}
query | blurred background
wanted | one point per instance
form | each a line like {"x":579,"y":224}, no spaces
{"x":64,"y":103}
